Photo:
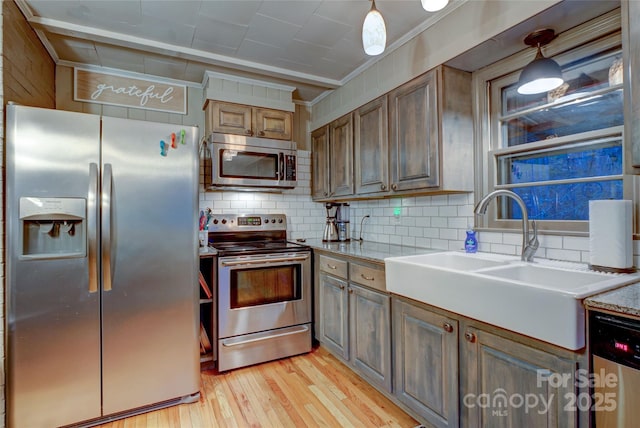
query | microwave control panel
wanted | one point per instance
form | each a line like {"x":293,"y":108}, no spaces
{"x":290,"y":167}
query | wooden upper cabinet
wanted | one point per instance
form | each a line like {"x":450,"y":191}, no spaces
{"x":272,"y":123}
{"x":230,"y":118}
{"x":341,"y":156}
{"x":371,"y":147}
{"x":414,"y":135}
{"x":417,"y":139}
{"x":320,"y":163}
{"x":431,"y":133}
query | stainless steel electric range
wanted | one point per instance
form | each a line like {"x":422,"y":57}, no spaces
{"x":264,"y":290}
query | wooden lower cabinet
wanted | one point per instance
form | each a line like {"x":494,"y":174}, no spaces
{"x":333,"y":316}
{"x":516,"y":380}
{"x":445,"y":369}
{"x":426,"y":363}
{"x":370,"y":334}
{"x":453,"y":371}
{"x":354,"y":321}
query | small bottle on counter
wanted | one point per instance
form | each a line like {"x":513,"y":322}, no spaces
{"x":471,"y":242}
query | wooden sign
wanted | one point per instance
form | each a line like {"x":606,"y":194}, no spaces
{"x":104,"y":88}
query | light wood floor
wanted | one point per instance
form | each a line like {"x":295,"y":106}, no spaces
{"x":311,"y":390}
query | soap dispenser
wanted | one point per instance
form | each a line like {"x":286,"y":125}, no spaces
{"x":471,"y":242}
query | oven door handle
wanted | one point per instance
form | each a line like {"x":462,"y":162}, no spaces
{"x":263,"y":261}
{"x":301,"y":329}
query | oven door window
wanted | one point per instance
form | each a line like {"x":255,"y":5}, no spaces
{"x":264,"y":285}
{"x":240,"y":164}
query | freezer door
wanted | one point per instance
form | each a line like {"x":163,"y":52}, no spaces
{"x":149,"y":255}
{"x":53,"y":324}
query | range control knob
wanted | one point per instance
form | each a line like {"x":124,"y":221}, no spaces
{"x":279,"y":220}
{"x":266,"y":220}
{"x":273,"y":220}
{"x":215,"y":221}
{"x":224,"y":221}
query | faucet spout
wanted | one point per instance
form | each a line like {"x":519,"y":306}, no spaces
{"x":529,"y":245}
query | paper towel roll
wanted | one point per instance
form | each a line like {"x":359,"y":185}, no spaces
{"x":611,"y":235}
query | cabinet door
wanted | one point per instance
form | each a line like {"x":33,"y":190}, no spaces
{"x":371,"y":147}
{"x":341,"y":156}
{"x":231,"y":118}
{"x":496,"y":373}
{"x":414,"y":135}
{"x":333,"y":316}
{"x":270,"y":123}
{"x":320,"y":157}
{"x":426,"y":363}
{"x":370,"y":335}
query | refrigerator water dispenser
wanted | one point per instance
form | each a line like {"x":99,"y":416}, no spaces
{"x":53,"y":227}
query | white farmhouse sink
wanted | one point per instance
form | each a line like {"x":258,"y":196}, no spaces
{"x":540,"y":299}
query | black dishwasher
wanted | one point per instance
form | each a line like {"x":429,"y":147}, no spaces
{"x":615,"y":377}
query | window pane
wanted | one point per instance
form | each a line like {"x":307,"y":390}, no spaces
{"x":560,"y":201}
{"x":587,"y":114}
{"x":599,"y":158}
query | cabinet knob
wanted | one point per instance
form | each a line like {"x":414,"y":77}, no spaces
{"x":248,"y":132}
{"x":332,"y":266}
{"x":351,"y":291}
{"x":470,"y":337}
{"x":368,"y":278}
{"x":341,"y":287}
{"x":383,"y":187}
{"x":447,"y":327}
{"x":261,"y":133}
{"x":394,"y":186}
{"x":326,"y":193}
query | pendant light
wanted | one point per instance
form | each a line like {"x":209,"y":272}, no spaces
{"x":433,"y":5}
{"x":374,"y":32}
{"x":542,"y":74}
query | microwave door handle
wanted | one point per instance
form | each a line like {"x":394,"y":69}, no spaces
{"x":281,"y":168}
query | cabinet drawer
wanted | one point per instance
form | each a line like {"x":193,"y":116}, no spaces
{"x":333,"y":266}
{"x":370,"y":277}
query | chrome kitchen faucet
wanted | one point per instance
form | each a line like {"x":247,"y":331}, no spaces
{"x":529,"y":246}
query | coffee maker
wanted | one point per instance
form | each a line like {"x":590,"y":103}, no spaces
{"x":330,"y":228}
{"x":342,"y":221}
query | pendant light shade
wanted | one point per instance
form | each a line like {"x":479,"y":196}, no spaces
{"x":542,"y":74}
{"x":434,"y":5}
{"x":374,"y":32}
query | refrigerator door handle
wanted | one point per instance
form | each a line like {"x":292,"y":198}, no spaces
{"x":92,"y":226}
{"x":106,"y":227}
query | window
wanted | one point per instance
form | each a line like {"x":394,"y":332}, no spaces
{"x":561,"y":149}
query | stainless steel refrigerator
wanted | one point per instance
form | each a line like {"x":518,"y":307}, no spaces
{"x":102,"y":296}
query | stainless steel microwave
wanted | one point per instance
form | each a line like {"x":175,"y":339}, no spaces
{"x":250,"y":163}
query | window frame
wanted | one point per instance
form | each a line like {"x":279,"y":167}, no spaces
{"x":598,"y":35}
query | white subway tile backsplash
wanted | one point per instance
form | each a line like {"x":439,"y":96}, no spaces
{"x":440,"y":244}
{"x":503,"y":249}
{"x":570,"y":255}
{"x":458,"y":223}
{"x":439,"y":222}
{"x":450,"y":234}
{"x":575,"y":243}
{"x":489,"y":237}
{"x":448,"y":211}
{"x":512,"y":238}
{"x":430,"y":211}
{"x":431,"y":232}
{"x":409,"y":241}
{"x":550,"y":241}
